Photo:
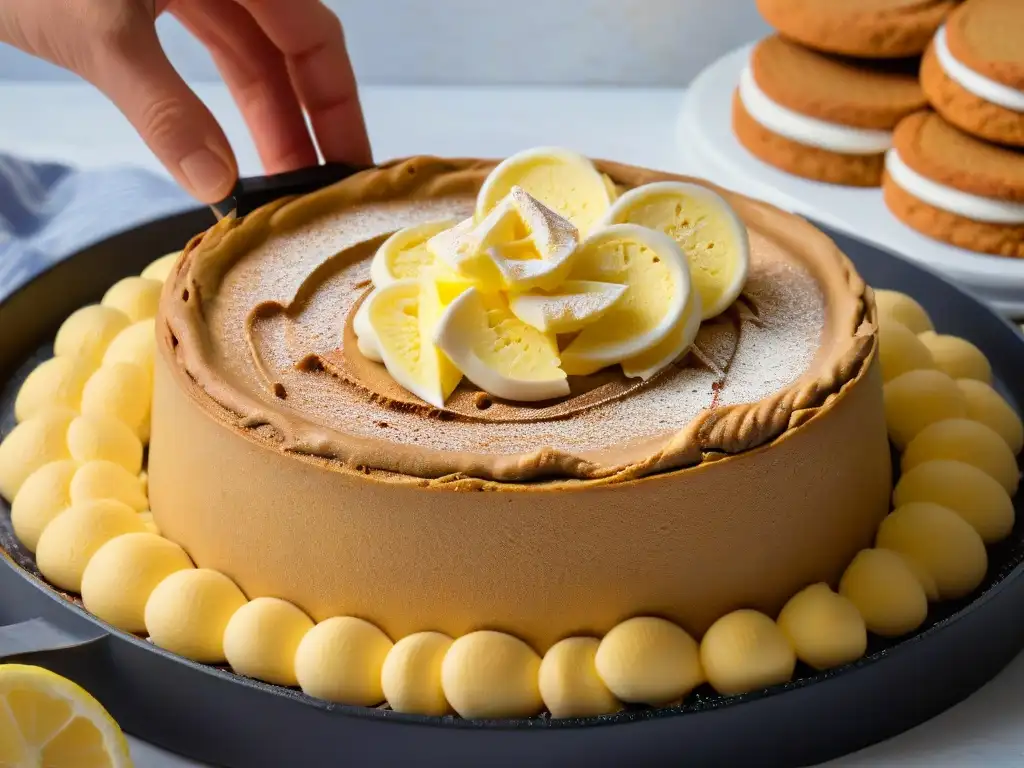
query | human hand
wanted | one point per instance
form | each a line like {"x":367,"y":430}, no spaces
{"x":278,"y":58}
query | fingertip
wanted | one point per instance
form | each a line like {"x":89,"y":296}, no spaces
{"x":208,"y":175}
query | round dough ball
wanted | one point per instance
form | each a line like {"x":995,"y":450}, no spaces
{"x":569,"y":683}
{"x":939,"y":541}
{"x":826,"y":629}
{"x":489,"y":674}
{"x":900,"y":350}
{"x":123,"y":573}
{"x":886,"y":591}
{"x":92,"y":438}
{"x":44,"y":495}
{"x":73,"y":537}
{"x":915,"y":399}
{"x":411,"y":676}
{"x":33,"y":443}
{"x":188,"y":612}
{"x":122,"y":391}
{"x":968,"y":441}
{"x":57,"y":381}
{"x":135,"y":344}
{"x":340,"y":660}
{"x":648,"y":660}
{"x":963,"y":488}
{"x":108,"y":480}
{"x":903,"y":309}
{"x":88,"y":332}
{"x":160,"y":269}
{"x":262,"y":637}
{"x":957,"y":357}
{"x":986,"y":405}
{"x":745,"y":651}
{"x":137,"y":297}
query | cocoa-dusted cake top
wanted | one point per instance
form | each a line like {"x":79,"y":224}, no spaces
{"x":262,"y":310}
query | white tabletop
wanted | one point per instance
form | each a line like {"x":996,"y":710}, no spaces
{"x":73,"y":123}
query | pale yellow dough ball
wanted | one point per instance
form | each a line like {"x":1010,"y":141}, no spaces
{"x":900,"y":350}
{"x":915,"y":399}
{"x":108,"y":480}
{"x":340,"y":660}
{"x":903,"y":309}
{"x":411,"y":676}
{"x":88,"y":332}
{"x":746,"y":651}
{"x":939,"y":541}
{"x":648,"y":660}
{"x":957,"y":357}
{"x":968,"y":441}
{"x":262,"y":637}
{"x":33,"y":443}
{"x":57,"y":381}
{"x":135,"y":344}
{"x":188,"y":612}
{"x":160,"y":269}
{"x":44,"y":495}
{"x":965,"y":489}
{"x":72,"y":538}
{"x":488,"y":674}
{"x":886,"y":592}
{"x":123,"y":573}
{"x":122,"y":391}
{"x":824,"y":628}
{"x":92,"y":438}
{"x":569,"y":683}
{"x":137,"y":297}
{"x":986,"y":405}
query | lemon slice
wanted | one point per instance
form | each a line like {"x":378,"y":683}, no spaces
{"x":710,"y":233}
{"x":458,"y":249}
{"x":366,"y":337}
{"x":564,"y":181}
{"x":404,"y":255}
{"x":672,"y":347}
{"x":409,"y":354}
{"x":653,"y":268}
{"x":47,"y":720}
{"x":499,"y":352}
{"x":575,"y":304}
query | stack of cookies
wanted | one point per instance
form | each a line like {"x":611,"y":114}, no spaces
{"x":922,"y":97}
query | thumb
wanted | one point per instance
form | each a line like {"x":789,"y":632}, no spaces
{"x":133,"y":71}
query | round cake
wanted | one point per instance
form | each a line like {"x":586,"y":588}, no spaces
{"x":287,"y":459}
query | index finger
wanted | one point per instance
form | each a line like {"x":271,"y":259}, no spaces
{"x":312,"y":40}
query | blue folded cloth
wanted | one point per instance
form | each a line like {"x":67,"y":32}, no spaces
{"x":48,"y":211}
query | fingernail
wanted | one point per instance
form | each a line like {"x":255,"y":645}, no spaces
{"x":209,"y":176}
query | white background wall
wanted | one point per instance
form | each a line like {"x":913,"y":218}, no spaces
{"x":587,"y":42}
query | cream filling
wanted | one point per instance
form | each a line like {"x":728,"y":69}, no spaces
{"x":973,"y":82}
{"x":964,"y":204}
{"x":809,"y":131}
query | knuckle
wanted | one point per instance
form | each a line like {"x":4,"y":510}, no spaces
{"x":161,"y":120}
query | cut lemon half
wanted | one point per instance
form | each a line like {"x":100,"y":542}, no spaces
{"x":653,"y":268}
{"x":672,"y":347}
{"x":704,"y":225}
{"x":498,"y":352}
{"x":564,"y":181}
{"x":410,"y":355}
{"x":47,"y":720}
{"x":573,"y":305}
{"x":405,"y":254}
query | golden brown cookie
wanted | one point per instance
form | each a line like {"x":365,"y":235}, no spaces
{"x":819,"y":116}
{"x":973,"y":72}
{"x":955,"y":188}
{"x":864,"y":28}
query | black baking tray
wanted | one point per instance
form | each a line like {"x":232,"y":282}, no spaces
{"x":214,"y":716}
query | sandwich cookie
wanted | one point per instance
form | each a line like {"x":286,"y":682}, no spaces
{"x":865,"y":28}
{"x":973,"y":72}
{"x":955,"y":188}
{"x":821,"y":117}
